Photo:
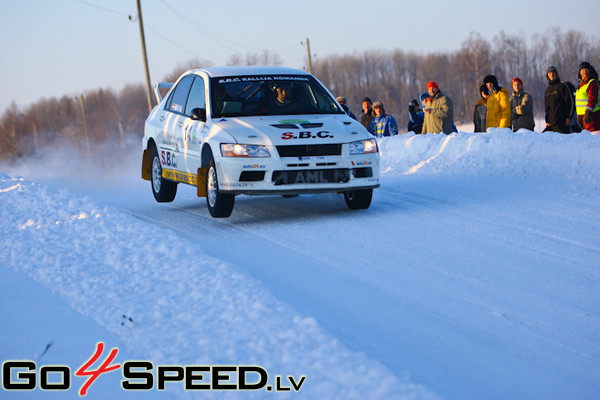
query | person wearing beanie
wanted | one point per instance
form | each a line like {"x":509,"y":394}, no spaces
{"x":382,"y":124}
{"x":558,"y":103}
{"x":424,"y":97}
{"x":521,"y":105}
{"x":439,"y":111}
{"x":343,"y":103}
{"x":368,"y":113}
{"x":498,"y":104}
{"x":586,"y":98}
{"x":480,"y":110}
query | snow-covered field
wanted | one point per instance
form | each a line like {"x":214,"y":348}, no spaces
{"x":475,"y":274}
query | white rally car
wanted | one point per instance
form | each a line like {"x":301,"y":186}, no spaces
{"x":255,"y":131}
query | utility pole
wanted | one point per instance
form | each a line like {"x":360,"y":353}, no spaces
{"x":85,"y":125}
{"x":309,"y":58}
{"x":148,"y":86}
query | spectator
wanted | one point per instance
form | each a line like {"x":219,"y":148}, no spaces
{"x":424,"y":100}
{"x":586,"y":98}
{"x":415,"y":115}
{"x":342,"y":101}
{"x":498,"y":104}
{"x":382,"y":124}
{"x":558,"y":103}
{"x":368,"y":113}
{"x":521,"y":105}
{"x":480,"y":110}
{"x":439,"y":112}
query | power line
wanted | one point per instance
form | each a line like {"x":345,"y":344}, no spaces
{"x":218,"y":39}
{"x":170,"y":41}
{"x":103,"y":8}
{"x":288,"y":48}
{"x":133,"y":19}
{"x":227,"y":43}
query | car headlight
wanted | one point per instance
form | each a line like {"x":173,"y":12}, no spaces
{"x":363,"y":147}
{"x":244,"y":150}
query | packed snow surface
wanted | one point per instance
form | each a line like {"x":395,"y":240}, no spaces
{"x":475,"y":274}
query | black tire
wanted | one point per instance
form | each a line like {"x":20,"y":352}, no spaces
{"x":220,"y":205}
{"x":164,"y":190}
{"x":358,"y":199}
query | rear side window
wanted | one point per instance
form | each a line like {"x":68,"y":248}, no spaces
{"x":178,"y":99}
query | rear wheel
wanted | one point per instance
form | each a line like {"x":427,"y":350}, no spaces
{"x":358,"y":199}
{"x":164,"y":190}
{"x":220,"y":205}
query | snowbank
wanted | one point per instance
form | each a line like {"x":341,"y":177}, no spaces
{"x":499,"y":152}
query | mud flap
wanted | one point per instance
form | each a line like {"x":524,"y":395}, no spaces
{"x":201,"y":182}
{"x":146,"y":164}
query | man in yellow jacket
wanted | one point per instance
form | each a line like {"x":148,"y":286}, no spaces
{"x":587,"y":98}
{"x":498,"y":104}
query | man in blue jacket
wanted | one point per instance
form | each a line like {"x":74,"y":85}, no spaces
{"x":383,"y":124}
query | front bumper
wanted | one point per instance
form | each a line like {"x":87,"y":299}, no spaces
{"x":298,"y":175}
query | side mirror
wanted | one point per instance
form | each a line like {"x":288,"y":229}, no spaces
{"x":199,"y":114}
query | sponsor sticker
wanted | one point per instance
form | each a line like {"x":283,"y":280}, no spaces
{"x":306,"y":135}
{"x":184,"y":177}
{"x":359,"y":163}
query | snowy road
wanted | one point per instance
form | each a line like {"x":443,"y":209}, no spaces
{"x":474,"y":284}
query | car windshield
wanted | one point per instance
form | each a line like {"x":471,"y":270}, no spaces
{"x":240,"y":96}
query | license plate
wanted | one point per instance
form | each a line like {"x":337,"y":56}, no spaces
{"x":311,"y":176}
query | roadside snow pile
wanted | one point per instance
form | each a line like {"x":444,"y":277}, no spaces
{"x":185,"y":308}
{"x":500,"y":152}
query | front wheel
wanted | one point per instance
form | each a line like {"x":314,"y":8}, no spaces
{"x":164,"y":190}
{"x":220,"y":205}
{"x":358,"y":199}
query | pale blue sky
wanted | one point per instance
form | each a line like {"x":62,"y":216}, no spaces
{"x":52,"y":48}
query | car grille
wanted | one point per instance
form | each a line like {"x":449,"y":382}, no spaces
{"x":310,"y":150}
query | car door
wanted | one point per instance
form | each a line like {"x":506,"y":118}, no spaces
{"x":194,"y":131}
{"x":172,"y":148}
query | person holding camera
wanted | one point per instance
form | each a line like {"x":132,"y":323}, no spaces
{"x":439,"y":112}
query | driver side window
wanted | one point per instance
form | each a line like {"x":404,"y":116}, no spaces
{"x":197,"y":97}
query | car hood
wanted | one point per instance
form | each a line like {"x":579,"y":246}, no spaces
{"x":280,"y":130}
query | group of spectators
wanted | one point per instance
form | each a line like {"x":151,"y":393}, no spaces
{"x":567,"y":109}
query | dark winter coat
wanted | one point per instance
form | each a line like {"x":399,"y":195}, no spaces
{"x":521,"y":105}
{"x":415,"y":122}
{"x":559,"y":106}
{"x":479,"y":115}
{"x":365,"y":119}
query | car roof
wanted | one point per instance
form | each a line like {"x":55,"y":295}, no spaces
{"x":215,"y":72}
